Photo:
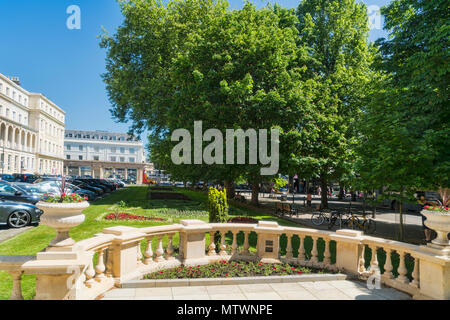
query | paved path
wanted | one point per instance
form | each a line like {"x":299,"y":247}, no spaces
{"x":320,"y":290}
{"x":8,"y":233}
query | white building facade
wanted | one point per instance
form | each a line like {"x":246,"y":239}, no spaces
{"x":20,"y":131}
{"x":102,"y":154}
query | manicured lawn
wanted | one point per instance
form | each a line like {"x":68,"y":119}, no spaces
{"x":137,"y":203}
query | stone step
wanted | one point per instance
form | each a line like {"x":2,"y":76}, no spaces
{"x":231,"y":281}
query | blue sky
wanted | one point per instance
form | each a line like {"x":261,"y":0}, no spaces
{"x":66,"y":65}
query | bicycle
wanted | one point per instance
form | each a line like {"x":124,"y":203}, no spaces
{"x":334,"y":217}
{"x":318,"y":218}
{"x":368,"y":225}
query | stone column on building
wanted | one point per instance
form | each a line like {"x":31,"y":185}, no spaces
{"x":140,"y":173}
{"x":67,"y":170}
{"x":79,"y":171}
{"x":101,"y":172}
{"x":126,"y":173}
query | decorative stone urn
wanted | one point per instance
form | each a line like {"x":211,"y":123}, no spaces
{"x":62,"y":217}
{"x":439,"y":222}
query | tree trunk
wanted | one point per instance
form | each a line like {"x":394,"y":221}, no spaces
{"x":291,"y":183}
{"x":374,"y":208}
{"x":324,"y":193}
{"x":341,"y":191}
{"x":255,"y":193}
{"x":231,"y":192}
{"x":364,"y":204}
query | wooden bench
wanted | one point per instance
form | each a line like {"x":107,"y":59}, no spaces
{"x":285,"y":209}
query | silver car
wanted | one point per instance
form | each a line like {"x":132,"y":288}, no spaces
{"x":19,"y":215}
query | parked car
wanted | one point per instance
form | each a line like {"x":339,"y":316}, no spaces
{"x":28,"y":178}
{"x":9,"y":192}
{"x":18,"y":215}
{"x":98,"y":191}
{"x":6,"y":177}
{"x":53,"y":187}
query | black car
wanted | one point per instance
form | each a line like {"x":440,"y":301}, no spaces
{"x":18,"y":215}
{"x":6,"y":177}
{"x":85,"y":186}
{"x":27,"y":178}
{"x":93,"y":183}
{"x":9,"y":192}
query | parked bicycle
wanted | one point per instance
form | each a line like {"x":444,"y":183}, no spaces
{"x":367,"y":225}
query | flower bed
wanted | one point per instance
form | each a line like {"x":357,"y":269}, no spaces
{"x":127,"y":216}
{"x":437,"y":208}
{"x":243,"y":220}
{"x":224,"y":269}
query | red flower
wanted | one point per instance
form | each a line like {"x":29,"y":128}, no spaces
{"x":299,"y":272}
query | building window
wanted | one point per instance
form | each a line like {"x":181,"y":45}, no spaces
{"x":113,"y":159}
{"x":96,"y":158}
{"x":14,"y":115}
{"x":113,"y":150}
{"x":80,"y":157}
{"x":97,"y":149}
{"x":7,"y":91}
{"x":81,"y":147}
{"x":132,"y":160}
{"x":122,"y":150}
{"x":122,"y":159}
{"x":68,"y":157}
{"x":7,"y":112}
{"x":132,"y":150}
{"x":68,"y":147}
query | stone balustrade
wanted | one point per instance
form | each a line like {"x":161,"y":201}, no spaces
{"x":93,"y":266}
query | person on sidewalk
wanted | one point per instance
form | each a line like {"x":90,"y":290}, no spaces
{"x":309,"y":199}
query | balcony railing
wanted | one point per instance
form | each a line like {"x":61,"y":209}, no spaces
{"x":93,"y":266}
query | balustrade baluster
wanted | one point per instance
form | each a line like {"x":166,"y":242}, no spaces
{"x":301,"y":251}
{"x":149,"y":252}
{"x":160,"y":250}
{"x":16,"y":293}
{"x":289,"y":254}
{"x":327,"y":253}
{"x":415,"y":274}
{"x":108,"y":258}
{"x":402,"y":271}
{"x":388,"y":265}
{"x":169,"y":250}
{"x":139,"y":254}
{"x":100,"y":267}
{"x":212,"y":245}
{"x":362,"y":261}
{"x":314,"y":253}
{"x":234,"y":245}
{"x":246,"y":243}
{"x":374,"y":261}
{"x":223,"y":246}
{"x":90,"y":273}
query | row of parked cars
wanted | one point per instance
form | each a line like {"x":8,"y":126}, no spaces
{"x":18,"y":199}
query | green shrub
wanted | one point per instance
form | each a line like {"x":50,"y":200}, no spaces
{"x":217,"y":205}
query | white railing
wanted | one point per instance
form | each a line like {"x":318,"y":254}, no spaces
{"x":119,"y":254}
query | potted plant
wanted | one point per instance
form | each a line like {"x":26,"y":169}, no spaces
{"x":438,"y":218}
{"x":62,"y":212}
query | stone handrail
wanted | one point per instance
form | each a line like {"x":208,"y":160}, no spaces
{"x":119,"y":254}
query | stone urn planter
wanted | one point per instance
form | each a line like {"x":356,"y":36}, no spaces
{"x":439,"y":222}
{"x":62,"y":217}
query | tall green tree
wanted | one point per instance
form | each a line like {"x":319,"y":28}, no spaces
{"x":170,"y":65}
{"x":338,"y":60}
{"x":415,"y":59}
{"x":404,"y":145}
